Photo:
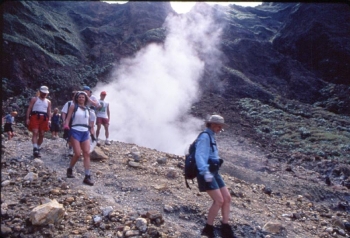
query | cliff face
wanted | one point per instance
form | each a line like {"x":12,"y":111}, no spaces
{"x":67,"y":44}
{"x":290,"y":50}
{"x":294,"y":51}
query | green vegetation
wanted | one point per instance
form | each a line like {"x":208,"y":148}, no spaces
{"x":321,"y":133}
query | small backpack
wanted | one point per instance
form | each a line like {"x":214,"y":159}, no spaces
{"x":191,"y":170}
{"x":73,"y":115}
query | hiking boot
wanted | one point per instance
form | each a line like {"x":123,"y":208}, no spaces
{"x":39,"y":154}
{"x":88,"y":180}
{"x":70,"y":173}
{"x":36,"y":152}
{"x":208,"y":231}
{"x":226,"y":231}
{"x":107,"y":142}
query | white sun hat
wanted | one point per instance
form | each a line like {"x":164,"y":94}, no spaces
{"x":44,"y":89}
{"x":217,"y":119}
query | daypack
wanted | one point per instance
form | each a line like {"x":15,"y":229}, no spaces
{"x":73,"y":115}
{"x":191,"y":170}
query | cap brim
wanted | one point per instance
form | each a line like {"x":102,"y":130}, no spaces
{"x":224,"y":125}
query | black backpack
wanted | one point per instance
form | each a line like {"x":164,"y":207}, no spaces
{"x":191,"y":170}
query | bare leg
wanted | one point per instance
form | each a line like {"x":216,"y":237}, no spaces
{"x":98,"y":130}
{"x":106,"y":130}
{"x":35,"y":136}
{"x":41,"y":137}
{"x":225,"y":209}
{"x":218,"y":201}
{"x":77,"y":150}
{"x":85,"y":146}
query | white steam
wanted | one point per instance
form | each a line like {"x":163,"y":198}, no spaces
{"x":151,"y":94}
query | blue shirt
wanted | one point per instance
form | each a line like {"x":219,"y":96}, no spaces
{"x":9,"y":119}
{"x":204,"y":151}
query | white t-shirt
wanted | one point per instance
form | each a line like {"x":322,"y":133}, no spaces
{"x":92,"y":116}
{"x":65,"y":107}
{"x":93,"y":98}
{"x":102,"y":112}
{"x":81,"y":117}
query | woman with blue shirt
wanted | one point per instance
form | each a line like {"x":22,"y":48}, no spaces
{"x":209,"y":179}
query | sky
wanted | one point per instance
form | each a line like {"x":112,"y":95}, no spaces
{"x":184,"y":7}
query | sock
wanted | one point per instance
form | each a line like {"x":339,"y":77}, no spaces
{"x":71,"y":167}
{"x":87,"y":171}
{"x":35,"y":145}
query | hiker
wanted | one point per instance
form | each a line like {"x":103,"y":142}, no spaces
{"x":38,"y":118}
{"x":64,"y":115}
{"x":92,"y":99}
{"x":55,"y":123}
{"x":79,"y":134}
{"x":209,"y":179}
{"x":92,"y":103}
{"x":8,"y":120}
{"x":103,"y":117}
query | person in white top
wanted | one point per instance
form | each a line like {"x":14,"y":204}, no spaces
{"x":66,"y":106}
{"x":64,"y":112}
{"x":38,"y":118}
{"x":92,"y":102}
{"x":79,"y":134}
{"x":103,"y":117}
{"x":92,"y":99}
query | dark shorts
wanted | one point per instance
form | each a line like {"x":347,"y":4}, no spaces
{"x":8,"y":127}
{"x":101,"y":120}
{"x":80,"y":136}
{"x":55,"y":128}
{"x":216,"y":183}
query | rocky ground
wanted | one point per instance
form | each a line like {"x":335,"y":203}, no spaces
{"x":140,"y":192}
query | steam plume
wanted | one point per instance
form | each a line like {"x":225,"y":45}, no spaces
{"x":151,"y":94}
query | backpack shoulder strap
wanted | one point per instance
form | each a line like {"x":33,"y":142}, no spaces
{"x":75,"y":109}
{"x":211,"y":142}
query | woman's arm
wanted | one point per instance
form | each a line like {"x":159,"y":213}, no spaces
{"x":202,"y":153}
{"x":108,"y":114}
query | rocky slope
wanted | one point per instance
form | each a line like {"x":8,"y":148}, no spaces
{"x":285,"y":97}
{"x":276,"y":192}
